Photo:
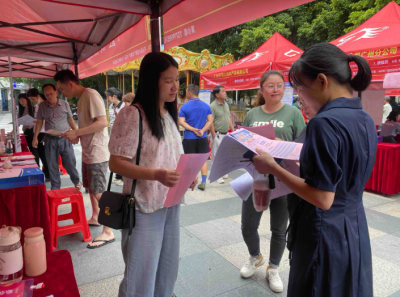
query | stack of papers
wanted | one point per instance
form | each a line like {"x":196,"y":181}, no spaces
{"x":235,"y":145}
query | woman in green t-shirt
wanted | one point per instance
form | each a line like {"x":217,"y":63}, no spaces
{"x":288,"y":122}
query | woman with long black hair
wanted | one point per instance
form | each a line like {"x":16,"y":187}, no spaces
{"x":330,"y":251}
{"x":151,"y":253}
{"x":25,"y":108}
{"x":36,"y":98}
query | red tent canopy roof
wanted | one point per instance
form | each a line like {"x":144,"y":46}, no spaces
{"x":381,"y":30}
{"x":277,"y":53}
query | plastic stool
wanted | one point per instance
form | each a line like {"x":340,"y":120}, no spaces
{"x":67,"y":196}
{"x":60,"y":167}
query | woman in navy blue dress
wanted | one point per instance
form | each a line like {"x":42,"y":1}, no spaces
{"x":331,"y":253}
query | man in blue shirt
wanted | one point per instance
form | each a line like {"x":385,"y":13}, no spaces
{"x":196,"y":117}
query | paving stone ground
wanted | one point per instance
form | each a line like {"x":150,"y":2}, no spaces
{"x":212,"y":248}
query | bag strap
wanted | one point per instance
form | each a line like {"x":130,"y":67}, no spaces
{"x":137,"y":155}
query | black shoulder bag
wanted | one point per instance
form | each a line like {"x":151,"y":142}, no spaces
{"x":117,"y":211}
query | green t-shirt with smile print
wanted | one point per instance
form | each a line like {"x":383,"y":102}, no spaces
{"x":288,"y":121}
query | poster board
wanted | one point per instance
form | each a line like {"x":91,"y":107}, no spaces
{"x":372,"y":103}
{"x":288,"y":95}
{"x":205,"y":96}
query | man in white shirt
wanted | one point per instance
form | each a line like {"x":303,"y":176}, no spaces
{"x":114,"y":96}
{"x":387,"y":109}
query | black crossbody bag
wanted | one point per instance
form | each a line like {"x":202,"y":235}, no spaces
{"x":117,"y":211}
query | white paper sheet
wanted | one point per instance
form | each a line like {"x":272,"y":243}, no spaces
{"x":228,"y":157}
{"x":26,"y":120}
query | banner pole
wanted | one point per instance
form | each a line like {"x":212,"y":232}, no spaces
{"x":17,"y":141}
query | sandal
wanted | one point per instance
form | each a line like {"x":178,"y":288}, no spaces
{"x":100,"y":245}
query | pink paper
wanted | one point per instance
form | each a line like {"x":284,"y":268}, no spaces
{"x":266,"y":131}
{"x":189,"y":165}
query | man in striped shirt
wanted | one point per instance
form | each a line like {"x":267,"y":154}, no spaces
{"x":58,"y":117}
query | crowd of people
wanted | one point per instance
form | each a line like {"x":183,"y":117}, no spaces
{"x":328,"y":235}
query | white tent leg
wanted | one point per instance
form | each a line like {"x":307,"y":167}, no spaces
{"x":237,"y":96}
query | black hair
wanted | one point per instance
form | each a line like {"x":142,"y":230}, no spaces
{"x":35,"y":92}
{"x":49,"y":85}
{"x":268,"y":74}
{"x":114,"y":92}
{"x":330,"y":60}
{"x":192,"y":88}
{"x":21,"y":109}
{"x":217,"y":89}
{"x":65,"y":76}
{"x":151,"y":67}
{"x":392,"y":116}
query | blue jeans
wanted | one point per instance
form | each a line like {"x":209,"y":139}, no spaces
{"x":151,"y":254}
{"x":279,"y":220}
{"x":59,"y":146}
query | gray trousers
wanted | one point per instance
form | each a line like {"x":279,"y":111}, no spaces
{"x":279,"y":220}
{"x":151,"y":254}
{"x":60,"y":146}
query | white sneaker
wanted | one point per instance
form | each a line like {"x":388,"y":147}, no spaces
{"x":221,"y":181}
{"x":225,"y":176}
{"x":119,"y":182}
{"x":275,"y":282}
{"x":251,"y":265}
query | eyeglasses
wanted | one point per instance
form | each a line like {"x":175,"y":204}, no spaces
{"x":272,"y":87}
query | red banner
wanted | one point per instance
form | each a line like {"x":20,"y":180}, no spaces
{"x":194,"y":19}
{"x":133,"y":44}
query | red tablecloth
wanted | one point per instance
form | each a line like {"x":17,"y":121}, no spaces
{"x":26,"y":207}
{"x":24,"y":144}
{"x":385,"y":177}
{"x":59,"y":279}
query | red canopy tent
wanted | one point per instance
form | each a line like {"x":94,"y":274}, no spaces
{"x":277,"y":53}
{"x":184,"y":22}
{"x":377,"y":40}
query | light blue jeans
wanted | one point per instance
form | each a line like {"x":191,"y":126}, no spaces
{"x":151,"y":254}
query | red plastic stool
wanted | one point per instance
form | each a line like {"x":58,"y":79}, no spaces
{"x":67,"y":196}
{"x":60,"y":167}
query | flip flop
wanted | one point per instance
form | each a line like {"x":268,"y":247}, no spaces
{"x":100,"y":245}
{"x":78,"y":186}
{"x":94,"y":225}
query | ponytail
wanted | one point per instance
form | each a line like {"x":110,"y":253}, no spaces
{"x":361,"y":81}
{"x":330,"y":60}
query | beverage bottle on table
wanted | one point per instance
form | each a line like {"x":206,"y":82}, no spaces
{"x":261,"y":193}
{"x":9,"y":146}
{"x":11,"y":262}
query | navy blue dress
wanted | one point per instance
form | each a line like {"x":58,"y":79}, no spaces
{"x":331,"y":255}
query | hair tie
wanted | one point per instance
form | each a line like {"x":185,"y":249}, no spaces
{"x":350,"y":58}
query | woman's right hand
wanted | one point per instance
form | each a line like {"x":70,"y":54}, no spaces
{"x":167,"y":177}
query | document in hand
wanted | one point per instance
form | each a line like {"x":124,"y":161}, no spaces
{"x":26,"y":120}
{"x":235,"y":145}
{"x":266,"y":131}
{"x":189,"y":166}
{"x":243,"y":185}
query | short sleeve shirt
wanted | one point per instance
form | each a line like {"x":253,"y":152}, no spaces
{"x":195,"y":113}
{"x":165,"y":153}
{"x":390,"y":128}
{"x":94,"y":146}
{"x":221,"y":115}
{"x":56,"y":118}
{"x":288,"y":121}
{"x":114,"y":110}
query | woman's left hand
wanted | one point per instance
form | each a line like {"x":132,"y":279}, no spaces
{"x":264,"y":162}
{"x":194,"y":183}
